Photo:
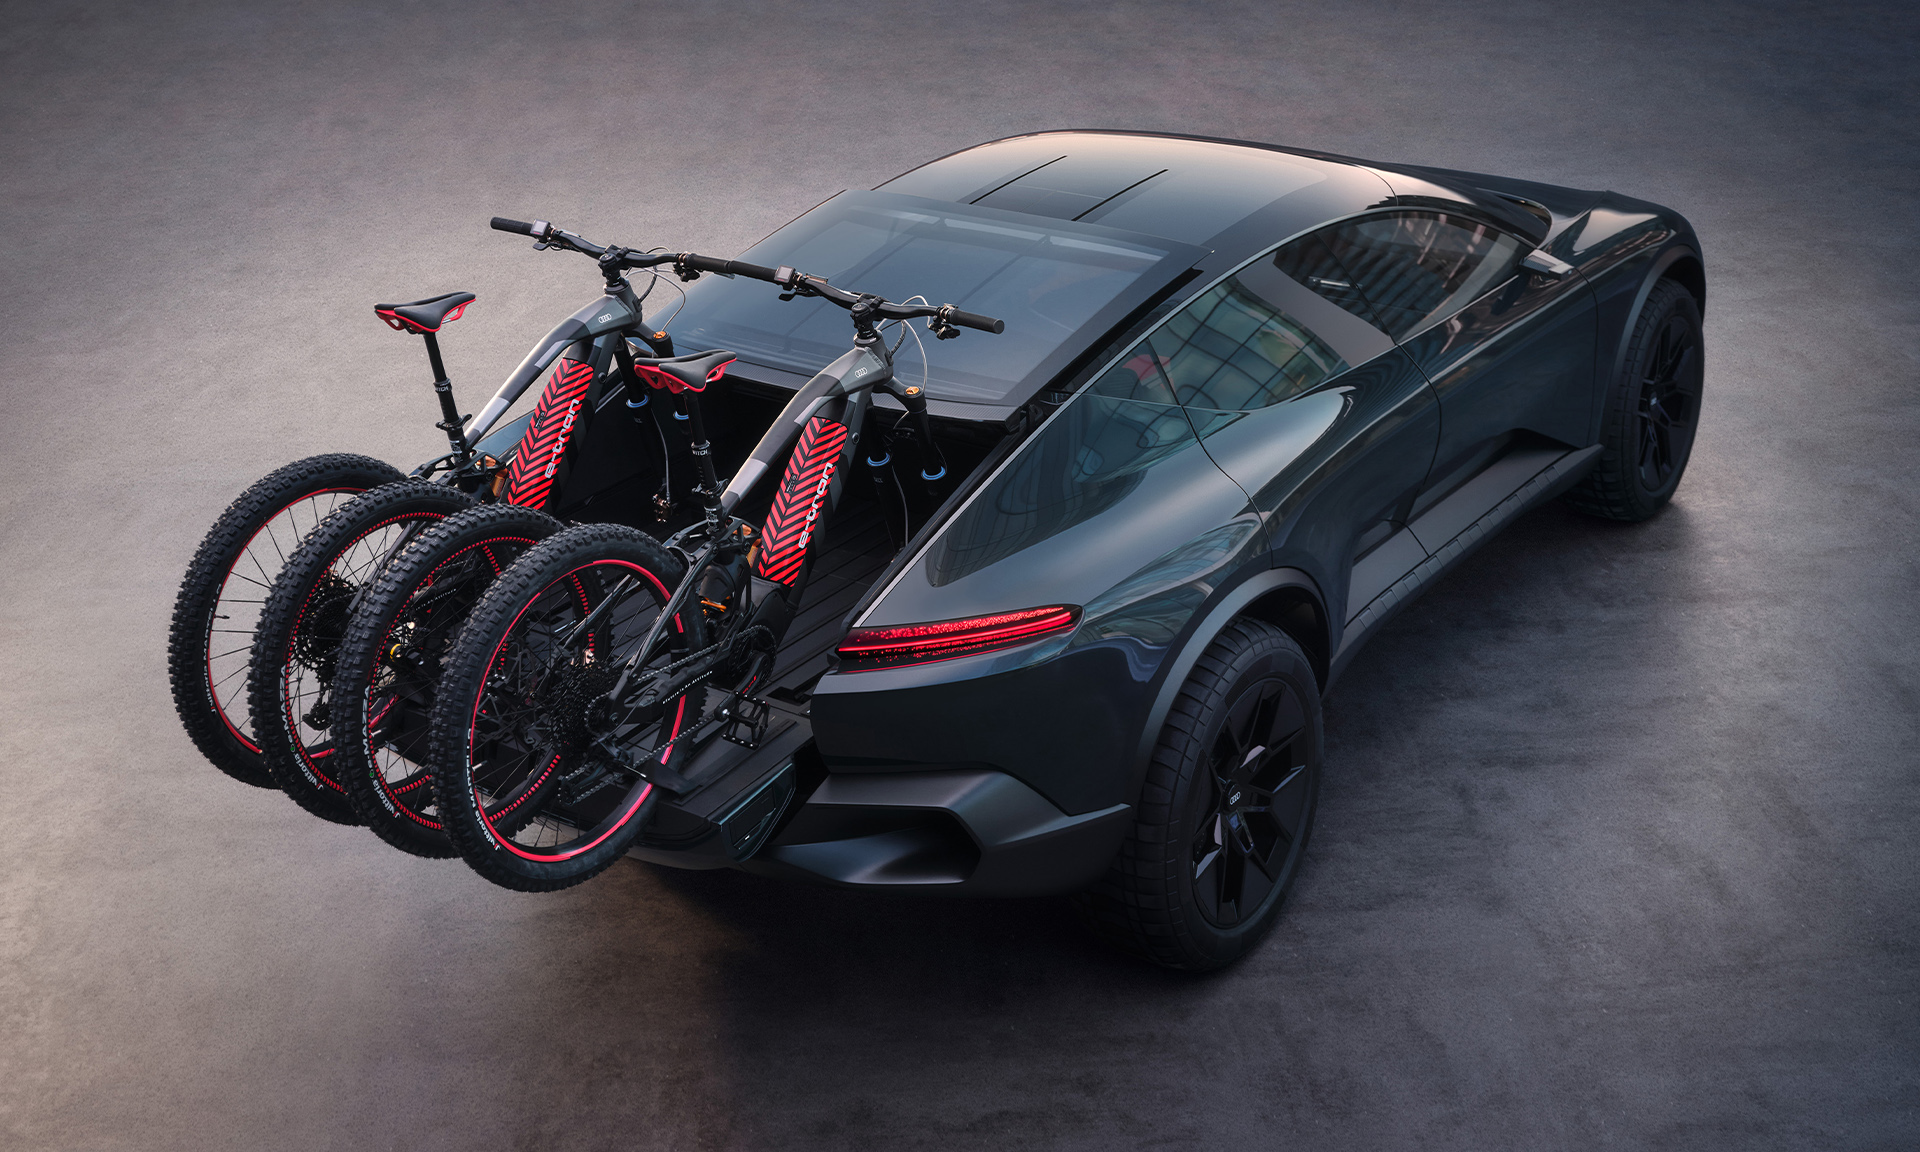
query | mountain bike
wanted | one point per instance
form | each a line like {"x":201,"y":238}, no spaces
{"x":383,"y":672}
{"x":592,"y":668}
{"x":216,"y":665}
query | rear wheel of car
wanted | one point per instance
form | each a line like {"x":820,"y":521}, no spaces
{"x":1652,"y":412}
{"x":1226,"y":808}
{"x":296,"y":648}
{"x":217,"y":611}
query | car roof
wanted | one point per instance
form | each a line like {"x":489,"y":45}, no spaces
{"x":1197,"y":190}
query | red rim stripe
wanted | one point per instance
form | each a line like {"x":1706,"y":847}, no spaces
{"x":473,"y":720}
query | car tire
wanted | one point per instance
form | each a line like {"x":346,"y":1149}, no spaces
{"x":1225,"y":810}
{"x":297,"y":645}
{"x":1652,"y":412}
{"x":217,"y":610}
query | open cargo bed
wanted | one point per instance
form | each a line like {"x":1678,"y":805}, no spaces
{"x":740,"y":791}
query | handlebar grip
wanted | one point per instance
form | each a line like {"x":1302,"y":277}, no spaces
{"x":729,"y":267}
{"x":502,"y":224}
{"x":977,"y":322}
{"x":752,"y":271}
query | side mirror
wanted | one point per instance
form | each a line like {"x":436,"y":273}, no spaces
{"x":1541,"y":264}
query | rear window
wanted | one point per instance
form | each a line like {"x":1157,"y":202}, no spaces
{"x":1049,"y":280}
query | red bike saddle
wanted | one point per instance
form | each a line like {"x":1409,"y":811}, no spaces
{"x":424,"y":316}
{"x":683,"y":373}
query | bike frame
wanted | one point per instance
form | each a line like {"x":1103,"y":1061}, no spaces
{"x":581,"y":350}
{"x":818,"y":431}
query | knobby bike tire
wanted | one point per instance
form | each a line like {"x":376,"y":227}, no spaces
{"x":216,"y":612}
{"x":301,"y":626}
{"x":524,"y":690}
{"x":389,"y":666}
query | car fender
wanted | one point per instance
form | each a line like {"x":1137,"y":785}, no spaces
{"x":1232,"y":603}
{"x":1656,"y":272}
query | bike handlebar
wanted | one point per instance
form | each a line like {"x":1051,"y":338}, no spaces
{"x":977,"y":322}
{"x":690,"y":264}
{"x":723,"y":267}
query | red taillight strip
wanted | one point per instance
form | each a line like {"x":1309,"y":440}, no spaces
{"x":943,"y":638}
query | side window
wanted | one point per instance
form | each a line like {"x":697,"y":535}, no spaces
{"x":1414,"y":268}
{"x":1091,"y":456}
{"x":1257,"y":338}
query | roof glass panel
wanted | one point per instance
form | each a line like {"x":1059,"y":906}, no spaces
{"x":1056,"y":284}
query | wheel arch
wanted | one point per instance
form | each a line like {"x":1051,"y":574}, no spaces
{"x":1678,"y":263}
{"x":1684,"y":266}
{"x":1287,"y":598}
{"x":1296,"y":610}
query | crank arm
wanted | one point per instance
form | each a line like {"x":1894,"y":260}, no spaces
{"x":653,"y":772}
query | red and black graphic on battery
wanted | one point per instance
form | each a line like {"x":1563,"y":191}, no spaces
{"x":796,"y":506}
{"x":530,"y":477}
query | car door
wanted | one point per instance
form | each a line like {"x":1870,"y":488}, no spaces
{"x":1300,"y":397}
{"x":1509,"y":354}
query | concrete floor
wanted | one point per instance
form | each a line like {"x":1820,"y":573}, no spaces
{"x":1616,"y":848}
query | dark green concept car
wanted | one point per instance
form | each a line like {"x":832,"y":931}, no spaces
{"x":1250,"y":401}
{"x":1234,"y":406}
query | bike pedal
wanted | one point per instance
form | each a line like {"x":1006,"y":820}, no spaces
{"x":751,"y":714}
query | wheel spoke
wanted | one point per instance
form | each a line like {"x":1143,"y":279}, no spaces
{"x":1205,"y":863}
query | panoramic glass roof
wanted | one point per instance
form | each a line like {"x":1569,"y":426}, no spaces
{"x":1057,"y":284}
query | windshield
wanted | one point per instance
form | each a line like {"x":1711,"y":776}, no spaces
{"x":1047,"y":279}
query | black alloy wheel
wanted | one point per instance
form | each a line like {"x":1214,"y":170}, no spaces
{"x":1652,"y":411}
{"x":1668,"y":396}
{"x":1253,"y":803}
{"x":1226,"y":808}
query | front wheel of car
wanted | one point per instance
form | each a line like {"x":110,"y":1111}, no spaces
{"x":1652,"y":412}
{"x":1226,"y":808}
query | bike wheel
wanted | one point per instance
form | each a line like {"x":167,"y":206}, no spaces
{"x":390,"y":661}
{"x":297,"y":644}
{"x":217,"y":611}
{"x":539,"y":771}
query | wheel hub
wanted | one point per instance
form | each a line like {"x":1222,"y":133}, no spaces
{"x":323,"y":624}
{"x":575,"y":707}
{"x":1241,"y":848}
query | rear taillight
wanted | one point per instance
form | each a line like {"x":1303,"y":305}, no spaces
{"x":892,"y":645}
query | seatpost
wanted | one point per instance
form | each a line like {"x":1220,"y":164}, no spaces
{"x":450,"y":421}
{"x":709,"y":489}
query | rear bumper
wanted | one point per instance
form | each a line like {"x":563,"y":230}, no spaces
{"x":965,"y":832}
